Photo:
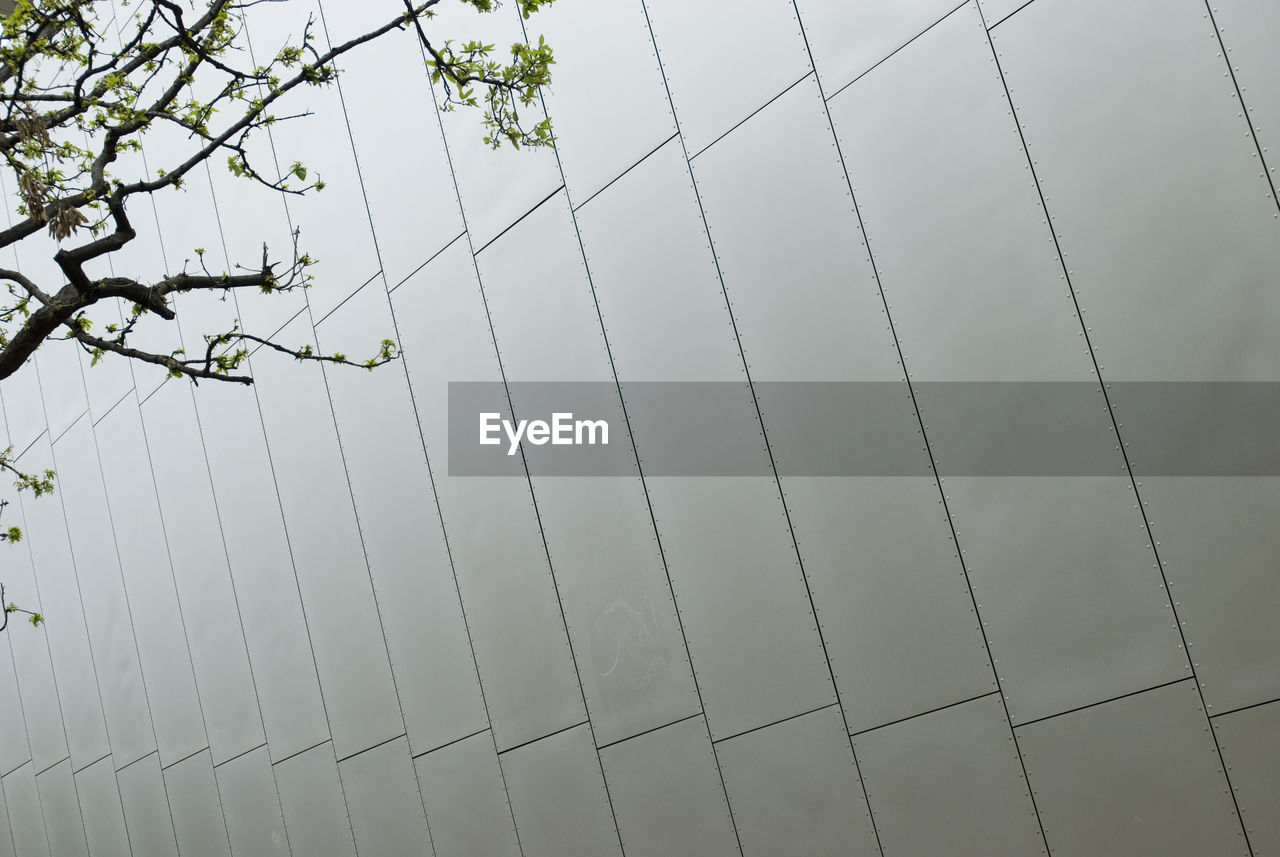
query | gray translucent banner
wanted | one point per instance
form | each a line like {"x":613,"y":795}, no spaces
{"x":863,"y":429}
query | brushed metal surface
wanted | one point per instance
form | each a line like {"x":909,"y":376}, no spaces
{"x":107,"y":615}
{"x":1133,"y":777}
{"x":890,"y":593}
{"x":204,"y":585}
{"x":1218,"y":543}
{"x":953,"y":219}
{"x":949,"y":782}
{"x":197,"y":808}
{"x":418,"y":604}
{"x":995,"y":11}
{"x":794,"y":789}
{"x":782,"y":224}
{"x":704,"y":54}
{"x":1252,"y":754}
{"x":466,"y":800}
{"x":172,"y":696}
{"x":1072,"y":604}
{"x":637,"y":287}
{"x":24,"y":411}
{"x":336,"y":218}
{"x":23,"y":803}
{"x":406,"y":233}
{"x":6,"y":830}
{"x":386,"y":806}
{"x":62,"y":387}
{"x":608,"y":87}
{"x":847,"y":39}
{"x":613,"y":588}
{"x":667,"y":793}
{"x":573,"y":818}
{"x":508,"y":595}
{"x":1154,"y":203}
{"x":146,"y":808}
{"x":315,"y":811}
{"x":275,"y":627}
{"x":101,"y":810}
{"x":251,"y":805}
{"x":45,"y":531}
{"x":1244,"y":26}
{"x":496,"y":187}
{"x":14,"y":747}
{"x":32,"y":665}
{"x":61,"y":811}
{"x":324,"y":540}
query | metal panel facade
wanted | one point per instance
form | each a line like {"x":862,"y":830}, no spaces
{"x":280,"y":621}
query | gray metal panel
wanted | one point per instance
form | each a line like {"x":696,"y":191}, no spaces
{"x":967,"y":262}
{"x":752,"y":635}
{"x":6,"y":830}
{"x":146,"y":808}
{"x":637,"y":287}
{"x":1248,"y":741}
{"x":620,"y":612}
{"x":466,"y":800}
{"x":1134,"y":777}
{"x":355,"y":673}
{"x":100,"y":807}
{"x":1066,"y":586}
{"x":385,"y":803}
{"x":61,"y":384}
{"x":793,"y":223}
{"x":32,"y":663}
{"x":1164,"y":200}
{"x":667,"y":793}
{"x":148,"y":579}
{"x":849,"y":38}
{"x":496,"y":187}
{"x":737,"y":582}
{"x":539,"y":297}
{"x":107,"y":614}
{"x":24,"y":411}
{"x":22,"y":800}
{"x":196,"y":808}
{"x":337,"y":217}
{"x":890,"y":593}
{"x":1246,"y":27}
{"x":607,"y":87}
{"x":618,"y":606}
{"x":407,"y":234}
{"x":270,"y":607}
{"x":507,"y":592}
{"x":14,"y":748}
{"x":949,"y":782}
{"x":209,"y":601}
{"x":61,"y":809}
{"x":994,"y":11}
{"x":1218,"y":542}
{"x":251,"y":216}
{"x":794,"y":790}
{"x":575,"y":816}
{"x":252,"y":806}
{"x":46,"y":533}
{"x":703,"y":47}
{"x":400,"y":523}
{"x":315,"y":813}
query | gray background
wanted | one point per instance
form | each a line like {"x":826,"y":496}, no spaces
{"x":276,"y":625}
